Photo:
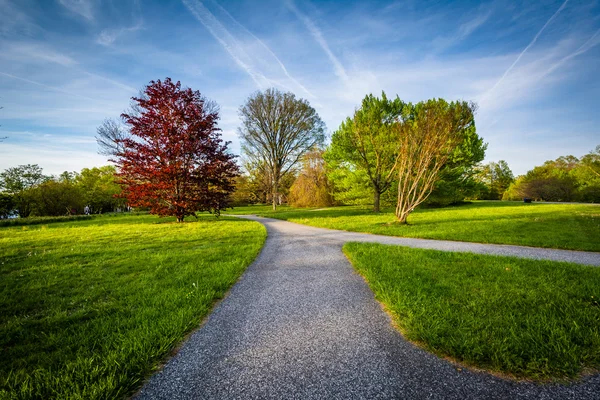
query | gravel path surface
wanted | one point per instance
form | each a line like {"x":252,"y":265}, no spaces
{"x":301,"y":324}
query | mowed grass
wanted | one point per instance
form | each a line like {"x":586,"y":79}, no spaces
{"x":530,"y":319}
{"x":89,"y":308}
{"x":560,"y":226}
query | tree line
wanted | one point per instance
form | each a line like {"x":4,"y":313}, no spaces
{"x":169,"y":157}
{"x":27,"y":191}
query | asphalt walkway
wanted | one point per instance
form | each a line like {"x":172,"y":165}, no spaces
{"x":301,"y":324}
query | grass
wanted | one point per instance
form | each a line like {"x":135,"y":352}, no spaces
{"x":530,"y":319}
{"x":42,"y":220}
{"x":561,"y":226}
{"x":89,"y":308}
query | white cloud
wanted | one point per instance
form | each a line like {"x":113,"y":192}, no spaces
{"x":318,"y":36}
{"x":83,"y":8}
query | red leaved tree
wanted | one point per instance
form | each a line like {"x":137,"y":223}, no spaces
{"x":175,"y":161}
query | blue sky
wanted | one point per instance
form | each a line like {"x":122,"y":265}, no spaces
{"x":532,"y":67}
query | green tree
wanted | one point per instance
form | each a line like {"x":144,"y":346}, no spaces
{"x":364,"y":149}
{"x":100,"y":189}
{"x":497,"y":177}
{"x":456,"y":179}
{"x":7,"y":205}
{"x":15,"y":179}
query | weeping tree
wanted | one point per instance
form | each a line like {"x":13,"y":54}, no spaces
{"x":429,"y":133}
{"x":277,"y":130}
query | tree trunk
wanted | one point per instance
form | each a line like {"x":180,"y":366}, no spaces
{"x":275,"y":196}
{"x":180,"y":218}
{"x":402,"y":213}
{"x":376,"y":198}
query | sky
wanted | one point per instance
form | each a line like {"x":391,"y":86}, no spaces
{"x":531,"y":66}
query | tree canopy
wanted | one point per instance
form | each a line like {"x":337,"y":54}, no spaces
{"x":176,"y":162}
{"x":364,"y":149}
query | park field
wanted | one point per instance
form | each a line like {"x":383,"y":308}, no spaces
{"x":89,"y":308}
{"x":560,"y":226}
{"x":529,"y":319}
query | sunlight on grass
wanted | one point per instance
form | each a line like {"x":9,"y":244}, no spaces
{"x":90,"y":307}
{"x":561,"y":226}
{"x":528,"y":318}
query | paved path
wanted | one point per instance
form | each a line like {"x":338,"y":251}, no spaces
{"x":301,"y":324}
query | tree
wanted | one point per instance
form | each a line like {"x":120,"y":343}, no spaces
{"x":176,"y":162}
{"x":15,"y":179}
{"x":429,"y":133}
{"x":110,"y":136}
{"x":277,"y":130}
{"x":7,"y":205}
{"x":592,"y":161}
{"x":367,"y":146}
{"x":312,"y":188}
{"x":497,"y":177}
{"x":100,"y":189}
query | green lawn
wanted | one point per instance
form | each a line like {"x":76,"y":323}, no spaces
{"x":89,"y":308}
{"x":561,"y":226}
{"x":530,"y":319}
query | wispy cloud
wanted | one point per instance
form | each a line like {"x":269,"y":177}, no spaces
{"x":227,"y":41}
{"x":83,"y":8}
{"x":464,"y":30}
{"x":14,"y":21}
{"x":318,"y":36}
{"x":535,"y":38}
{"x":246,"y":49}
{"x":54,"y":88}
{"x":593,"y":41}
{"x":108,"y":36}
{"x":267,"y":48}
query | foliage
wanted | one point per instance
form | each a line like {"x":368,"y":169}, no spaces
{"x":82,"y":321}
{"x":259,"y":181}
{"x":7,"y":205}
{"x":567,"y":178}
{"x":456,"y":179}
{"x":528,"y":318}
{"x":429,"y":134}
{"x":495,"y":179}
{"x":53,"y":198}
{"x":312,"y":188}
{"x":13,"y":180}
{"x":277,"y":130}
{"x":100,"y":189}
{"x":364,"y":150}
{"x":561,"y":226}
{"x":177,"y":164}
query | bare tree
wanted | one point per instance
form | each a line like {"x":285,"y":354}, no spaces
{"x":429,"y":133}
{"x":278,"y":129}
{"x":110,"y":136}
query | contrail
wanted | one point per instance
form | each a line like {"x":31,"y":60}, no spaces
{"x":285,"y":71}
{"x":46,"y":86}
{"x":582,"y":49}
{"x":316,"y":33}
{"x":219,"y":32}
{"x":525,"y":50}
